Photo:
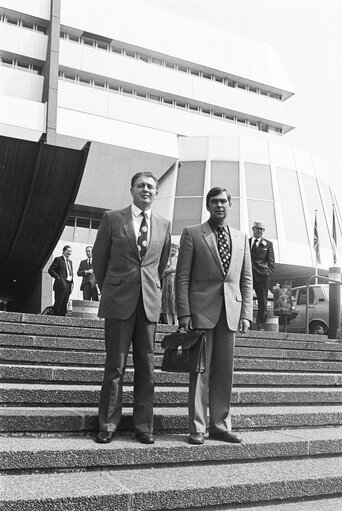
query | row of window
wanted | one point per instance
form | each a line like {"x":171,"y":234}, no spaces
{"x":168,"y":101}
{"x":144,"y":57}
{"x":21,"y":65}
{"x":4,"y":18}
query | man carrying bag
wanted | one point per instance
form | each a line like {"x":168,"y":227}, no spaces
{"x":214,"y":293}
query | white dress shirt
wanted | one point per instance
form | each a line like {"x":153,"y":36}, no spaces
{"x":137,"y":218}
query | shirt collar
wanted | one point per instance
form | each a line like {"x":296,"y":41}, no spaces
{"x":214,"y":225}
{"x":258,"y":240}
{"x":137,"y":211}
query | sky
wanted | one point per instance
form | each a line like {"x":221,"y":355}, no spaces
{"x":307,"y":36}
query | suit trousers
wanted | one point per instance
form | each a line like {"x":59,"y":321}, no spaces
{"x":62,"y":293}
{"x":217,"y":378}
{"x":119,"y":334}
{"x":261,"y":291}
{"x":90,"y":292}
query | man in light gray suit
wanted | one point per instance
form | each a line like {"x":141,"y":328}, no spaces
{"x":214,"y":292}
{"x":129,"y":257}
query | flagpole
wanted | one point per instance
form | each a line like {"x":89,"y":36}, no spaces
{"x":316,"y":246}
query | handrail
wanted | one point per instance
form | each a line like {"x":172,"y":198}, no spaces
{"x":307,"y":295}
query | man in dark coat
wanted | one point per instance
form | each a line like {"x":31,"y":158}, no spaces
{"x":262,"y":256}
{"x":85,"y":270}
{"x":61,"y":270}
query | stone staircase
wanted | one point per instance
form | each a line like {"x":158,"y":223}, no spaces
{"x":287,"y":404}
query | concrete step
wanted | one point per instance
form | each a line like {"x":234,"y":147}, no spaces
{"x":263,"y":350}
{"x":80,"y":358}
{"x":23,"y":454}
{"x":91,"y":375}
{"x":95,"y":344}
{"x":327,"y":503}
{"x":175,"y":419}
{"x":22,"y":394}
{"x":162,"y":488}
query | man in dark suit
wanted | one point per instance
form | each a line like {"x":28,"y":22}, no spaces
{"x":262,"y":255}
{"x":61,"y":270}
{"x":129,"y":257}
{"x":88,"y":284}
{"x":214,"y":294}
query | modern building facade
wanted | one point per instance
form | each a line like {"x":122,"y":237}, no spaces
{"x":152,"y":90}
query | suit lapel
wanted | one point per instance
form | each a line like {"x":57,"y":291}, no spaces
{"x":210,"y":239}
{"x":127,"y":222}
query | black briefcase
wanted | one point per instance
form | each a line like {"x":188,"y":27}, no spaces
{"x":184,"y":352}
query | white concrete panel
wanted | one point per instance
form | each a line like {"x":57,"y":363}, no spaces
{"x":295,"y":253}
{"x":21,"y":41}
{"x":281,"y":155}
{"x":37,"y":8}
{"x":22,"y":113}
{"x":108,"y":172}
{"x":147,"y":26}
{"x":224,"y":148}
{"x":320,"y":171}
{"x":82,"y":98}
{"x":193,"y":148}
{"x":170,"y":82}
{"x":21,"y":84}
{"x":115,"y":132}
{"x":254,"y":151}
{"x":149,"y":114}
{"x":303,"y":162}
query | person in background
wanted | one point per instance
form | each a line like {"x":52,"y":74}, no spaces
{"x":129,"y":258}
{"x":214,"y":293}
{"x":168,"y":292}
{"x":85,"y":270}
{"x":262,"y":256}
{"x":61,"y":270}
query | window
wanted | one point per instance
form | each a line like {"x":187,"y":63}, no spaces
{"x":226,"y":174}
{"x":190,"y":179}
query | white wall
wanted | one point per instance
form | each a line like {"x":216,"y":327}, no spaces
{"x":145,"y":26}
{"x":22,"y":41}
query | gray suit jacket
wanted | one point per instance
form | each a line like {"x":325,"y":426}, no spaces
{"x":120,"y":273}
{"x":201,"y":284}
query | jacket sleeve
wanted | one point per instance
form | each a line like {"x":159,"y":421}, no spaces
{"x":81,"y":271}
{"x":246,"y":284}
{"x":164,"y":257}
{"x":53,"y":269}
{"x":101,"y":250}
{"x":270,"y":259}
{"x":183,"y":273}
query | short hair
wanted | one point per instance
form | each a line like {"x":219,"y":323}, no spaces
{"x":146,"y":174}
{"x":89,"y":246}
{"x":66,"y":247}
{"x":216,"y":191}
{"x":259,"y":225}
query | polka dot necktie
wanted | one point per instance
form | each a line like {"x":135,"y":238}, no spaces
{"x":142,"y":236}
{"x":223,"y":248}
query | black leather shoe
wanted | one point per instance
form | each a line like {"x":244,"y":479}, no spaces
{"x":104,"y":437}
{"x":145,"y":438}
{"x":226,"y":437}
{"x":196,"y":438}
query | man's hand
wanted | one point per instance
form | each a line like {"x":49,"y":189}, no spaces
{"x":244,"y":326}
{"x":185,"y":323}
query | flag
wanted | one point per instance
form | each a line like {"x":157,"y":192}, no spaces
{"x":334,"y":237}
{"x":316,"y":241}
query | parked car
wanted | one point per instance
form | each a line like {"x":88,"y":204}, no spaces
{"x":318,"y":309}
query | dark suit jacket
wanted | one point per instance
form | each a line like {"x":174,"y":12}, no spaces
{"x":120,"y":273}
{"x":262,"y":259}
{"x":58,"y":271}
{"x":86,"y":277}
{"x":201,"y":283}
